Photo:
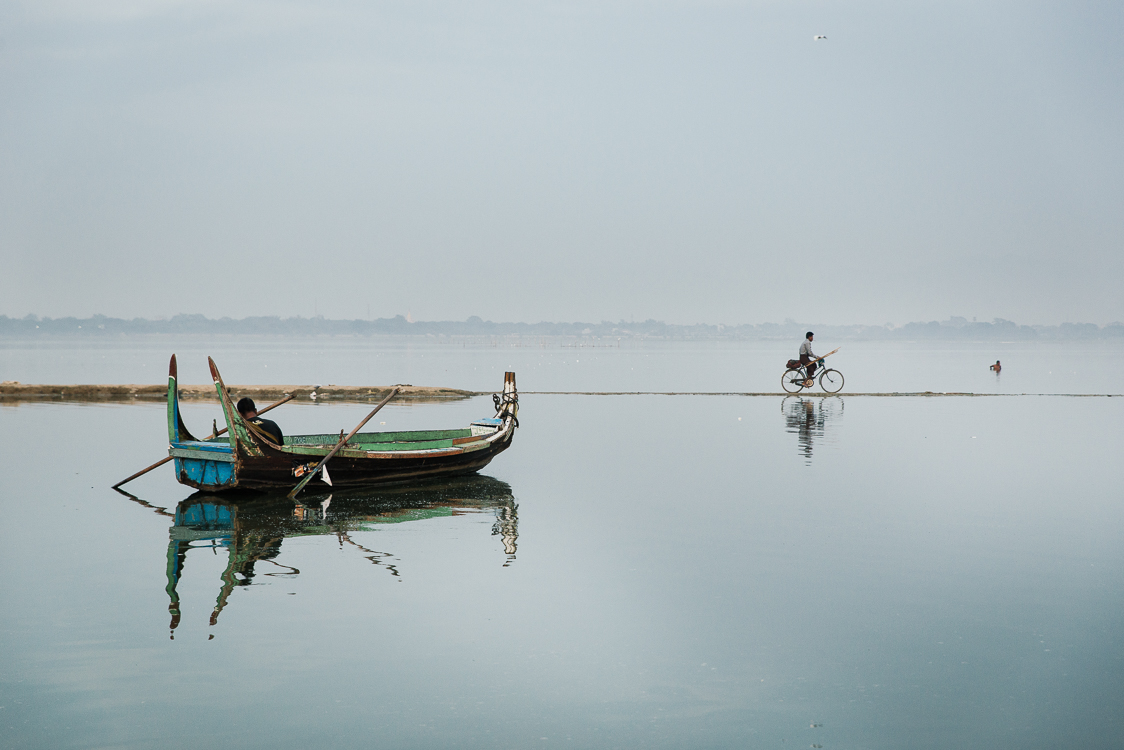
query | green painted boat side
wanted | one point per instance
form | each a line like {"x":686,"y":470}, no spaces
{"x":173,"y":406}
{"x":177,"y":431}
{"x":361,"y":448}
{"x":413,"y":436}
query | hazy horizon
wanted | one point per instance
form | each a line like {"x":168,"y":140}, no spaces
{"x":578,"y":320}
{"x":321,"y":324}
{"x":680,"y":161}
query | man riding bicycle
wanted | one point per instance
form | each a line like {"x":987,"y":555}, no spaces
{"x":801,"y":374}
{"x":806,"y":357}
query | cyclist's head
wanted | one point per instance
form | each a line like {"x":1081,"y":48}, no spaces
{"x":809,"y":335}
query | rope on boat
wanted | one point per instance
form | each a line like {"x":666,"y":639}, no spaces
{"x":505,"y":404}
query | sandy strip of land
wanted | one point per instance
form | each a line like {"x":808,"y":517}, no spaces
{"x":13,"y":391}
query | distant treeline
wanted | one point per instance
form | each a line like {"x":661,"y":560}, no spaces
{"x":953,"y":328}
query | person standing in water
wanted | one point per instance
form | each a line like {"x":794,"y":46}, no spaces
{"x":806,"y":357}
{"x":996,"y":367}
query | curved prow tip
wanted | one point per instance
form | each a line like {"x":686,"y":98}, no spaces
{"x":172,"y":369}
{"x":214,"y":370}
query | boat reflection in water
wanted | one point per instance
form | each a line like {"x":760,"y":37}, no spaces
{"x":807,"y":418}
{"x":252,"y":526}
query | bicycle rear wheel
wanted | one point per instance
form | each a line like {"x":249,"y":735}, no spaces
{"x":792,"y":381}
{"x":831,"y":381}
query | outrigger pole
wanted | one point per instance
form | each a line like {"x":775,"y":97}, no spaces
{"x":308,"y":477}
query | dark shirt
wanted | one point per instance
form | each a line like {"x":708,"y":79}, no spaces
{"x":271,"y":428}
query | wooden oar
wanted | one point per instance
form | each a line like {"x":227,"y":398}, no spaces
{"x":166,"y":459}
{"x":308,"y":477}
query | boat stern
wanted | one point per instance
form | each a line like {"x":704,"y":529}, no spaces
{"x":204,"y":464}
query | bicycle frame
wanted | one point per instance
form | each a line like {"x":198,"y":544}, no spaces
{"x":796,"y":379}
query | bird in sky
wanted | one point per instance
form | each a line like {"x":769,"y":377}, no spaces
{"x":820,"y":36}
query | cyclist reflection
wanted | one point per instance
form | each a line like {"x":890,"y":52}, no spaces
{"x":806,"y":418}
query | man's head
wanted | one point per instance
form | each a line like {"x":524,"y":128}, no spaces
{"x":247,"y":408}
{"x":809,"y":335}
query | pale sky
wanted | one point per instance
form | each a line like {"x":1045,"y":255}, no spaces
{"x":605,"y":160}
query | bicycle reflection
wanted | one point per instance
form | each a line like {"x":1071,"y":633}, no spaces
{"x":807,"y":419}
{"x":251,"y":527}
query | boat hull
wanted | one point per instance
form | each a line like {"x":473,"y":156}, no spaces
{"x":276,"y":470}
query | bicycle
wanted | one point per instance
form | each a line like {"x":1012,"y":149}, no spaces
{"x":795,"y":379}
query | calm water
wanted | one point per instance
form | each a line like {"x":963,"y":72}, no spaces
{"x":637,"y":571}
{"x":557,"y":365}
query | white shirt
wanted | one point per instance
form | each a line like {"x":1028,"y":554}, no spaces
{"x":806,"y":348}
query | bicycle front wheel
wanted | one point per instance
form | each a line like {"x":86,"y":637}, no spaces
{"x":831,"y":381}
{"x":792,"y":381}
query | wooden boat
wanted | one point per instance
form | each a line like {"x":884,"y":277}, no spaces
{"x":246,"y":457}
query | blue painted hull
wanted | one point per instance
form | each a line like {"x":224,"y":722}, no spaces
{"x":205,"y":475}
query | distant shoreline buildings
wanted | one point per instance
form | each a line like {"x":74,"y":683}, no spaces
{"x":955,"y":328}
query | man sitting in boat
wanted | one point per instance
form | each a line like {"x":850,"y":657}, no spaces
{"x":249,"y":412}
{"x":806,"y":357}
